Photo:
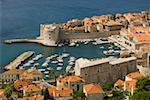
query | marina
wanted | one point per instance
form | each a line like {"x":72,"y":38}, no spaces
{"x":63,"y":60}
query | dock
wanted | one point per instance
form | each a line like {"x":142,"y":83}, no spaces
{"x":15,"y":63}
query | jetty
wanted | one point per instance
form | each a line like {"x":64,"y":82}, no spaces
{"x":15,"y":63}
{"x":20,"y":40}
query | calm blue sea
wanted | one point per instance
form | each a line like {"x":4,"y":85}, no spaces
{"x":21,"y":18}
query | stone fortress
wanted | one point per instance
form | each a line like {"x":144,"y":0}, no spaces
{"x":105,"y":70}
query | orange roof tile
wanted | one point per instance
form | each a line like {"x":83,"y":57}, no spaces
{"x":71,"y":79}
{"x":93,"y":88}
{"x":35,"y":97}
{"x":65,"y":91}
{"x":31,"y":88}
{"x":145,"y":47}
{"x":130,"y":84}
{"x":119,"y":83}
{"x":135,"y":75}
{"x":2,"y":92}
{"x":19,"y":84}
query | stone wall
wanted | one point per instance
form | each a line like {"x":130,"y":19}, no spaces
{"x":71,"y":35}
{"x":107,"y":72}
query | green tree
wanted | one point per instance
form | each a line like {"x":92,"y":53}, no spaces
{"x":46,"y":94}
{"x":143,"y":84}
{"x":78,"y":94}
{"x":8,"y":91}
{"x":108,"y":86}
{"x":143,"y":89}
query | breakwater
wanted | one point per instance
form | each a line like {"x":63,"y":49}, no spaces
{"x":15,"y":63}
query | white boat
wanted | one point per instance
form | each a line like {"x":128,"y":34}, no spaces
{"x":46,"y":76}
{"x":54,"y":62}
{"x":41,"y":70}
{"x":111,"y":52}
{"x":46,"y":72}
{"x":60,"y":64}
{"x":101,"y":47}
{"x":86,"y":42}
{"x":31,"y":61}
{"x":49,"y":68}
{"x":60,"y":59}
{"x":27,"y":64}
{"x":38,"y":57}
{"x":48,"y":58}
{"x":45,"y":64}
{"x":77,"y":45}
{"x":59,"y":68}
{"x":65,"y":55}
{"x":72,"y":44}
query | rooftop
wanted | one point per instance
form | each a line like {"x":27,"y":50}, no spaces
{"x":122,"y":60}
{"x":93,"y":89}
{"x":135,"y":75}
{"x":35,"y":97}
{"x":119,"y":83}
{"x":31,"y":88}
{"x":71,"y":79}
{"x":18,"y":84}
{"x":63,"y":92}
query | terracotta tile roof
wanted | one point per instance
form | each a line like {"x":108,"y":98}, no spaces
{"x":63,"y":92}
{"x":2,"y":92}
{"x":135,"y":75}
{"x":14,"y":71}
{"x":130,"y":85}
{"x":145,"y":47}
{"x":119,"y":83}
{"x":71,"y":79}
{"x":35,"y":97}
{"x":31,"y":88}
{"x":19,"y":84}
{"x":93,"y":89}
{"x":141,"y":37}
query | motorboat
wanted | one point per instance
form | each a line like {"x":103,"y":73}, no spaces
{"x":59,"y":68}
{"x":111,"y":52}
{"x":65,"y":55}
{"x":54,"y":62}
{"x":46,"y":76}
{"x":27,"y":64}
{"x":45,"y":64}
{"x":101,"y":47}
{"x":60,"y":64}
{"x":49,"y":68}
{"x":46,"y":72}
{"x":72,"y":44}
{"x":86,"y":42}
{"x":60,"y":59}
{"x":41,"y":70}
{"x":31,"y":61}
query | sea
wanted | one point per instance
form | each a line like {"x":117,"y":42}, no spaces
{"x":21,"y":19}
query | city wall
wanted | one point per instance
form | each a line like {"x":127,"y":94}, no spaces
{"x":81,"y":35}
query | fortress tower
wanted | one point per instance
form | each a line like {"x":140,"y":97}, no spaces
{"x":49,"y":34}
